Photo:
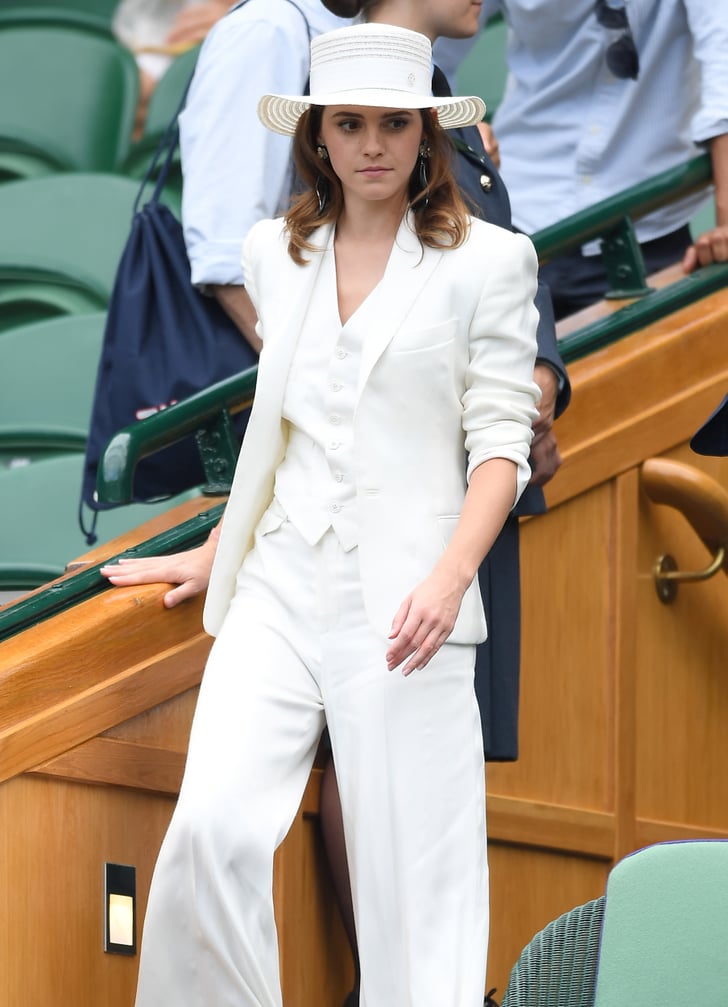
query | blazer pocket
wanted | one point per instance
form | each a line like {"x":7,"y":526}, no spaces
{"x":424,"y":340}
{"x":447,"y":524}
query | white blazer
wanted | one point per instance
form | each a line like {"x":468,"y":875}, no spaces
{"x":447,"y":373}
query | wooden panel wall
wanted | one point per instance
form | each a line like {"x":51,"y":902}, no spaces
{"x":624,"y":708}
{"x":624,"y":717}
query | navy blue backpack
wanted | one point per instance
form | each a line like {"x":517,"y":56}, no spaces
{"x":163,"y":341}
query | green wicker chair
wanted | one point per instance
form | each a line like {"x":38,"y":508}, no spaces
{"x":557,"y":968}
{"x":665,"y":931}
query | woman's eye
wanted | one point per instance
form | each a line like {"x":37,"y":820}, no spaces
{"x":348,"y":125}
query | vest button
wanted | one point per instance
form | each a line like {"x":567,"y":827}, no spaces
{"x":486,"y":183}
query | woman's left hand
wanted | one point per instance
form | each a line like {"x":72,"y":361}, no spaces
{"x":424,"y":621}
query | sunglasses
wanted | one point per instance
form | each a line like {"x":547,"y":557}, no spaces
{"x":621,"y":56}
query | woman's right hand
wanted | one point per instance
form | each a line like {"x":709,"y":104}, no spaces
{"x":190,"y":571}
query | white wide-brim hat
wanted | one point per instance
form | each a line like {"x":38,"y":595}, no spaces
{"x":375,"y":65}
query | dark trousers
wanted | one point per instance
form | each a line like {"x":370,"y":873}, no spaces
{"x":577,"y":280}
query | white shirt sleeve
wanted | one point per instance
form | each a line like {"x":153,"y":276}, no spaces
{"x":708,"y":20}
{"x":235,"y":170}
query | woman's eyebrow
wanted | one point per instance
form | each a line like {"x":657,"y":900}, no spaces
{"x":402,"y":113}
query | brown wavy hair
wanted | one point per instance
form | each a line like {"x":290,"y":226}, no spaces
{"x":440,"y":214}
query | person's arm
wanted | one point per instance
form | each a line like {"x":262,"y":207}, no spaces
{"x":498,"y":413}
{"x":426,"y":617}
{"x":545,"y":456}
{"x":236,"y":172}
{"x":193,"y":23}
{"x":236,"y":302}
{"x":551,"y":377}
{"x":712,"y":246}
{"x":189,"y":571}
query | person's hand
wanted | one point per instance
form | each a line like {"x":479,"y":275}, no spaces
{"x":190,"y":571}
{"x":147,"y":83}
{"x":424,"y":621}
{"x":193,"y":23}
{"x":490,"y":142}
{"x":545,"y":457}
{"x":709,"y":248}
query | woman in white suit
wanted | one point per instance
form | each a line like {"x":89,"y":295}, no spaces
{"x":398,"y":339}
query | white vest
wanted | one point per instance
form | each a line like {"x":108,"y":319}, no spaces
{"x":315,"y":482}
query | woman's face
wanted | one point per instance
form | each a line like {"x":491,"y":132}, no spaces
{"x":372,"y":150}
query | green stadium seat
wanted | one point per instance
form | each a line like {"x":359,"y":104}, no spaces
{"x":39,"y":530}
{"x":68,"y":97}
{"x":101,"y":11}
{"x":60,"y":242}
{"x":703,"y":220}
{"x":47,"y":381}
{"x":665,"y":931}
{"x":483,"y":71}
{"x":163,"y":104}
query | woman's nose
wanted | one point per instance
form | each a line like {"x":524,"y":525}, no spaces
{"x":372,"y":141}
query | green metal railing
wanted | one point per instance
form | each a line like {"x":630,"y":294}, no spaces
{"x":87,"y":582}
{"x":207,"y":414}
{"x":611,"y":222}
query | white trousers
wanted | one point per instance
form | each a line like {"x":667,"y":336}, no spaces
{"x":296,"y":652}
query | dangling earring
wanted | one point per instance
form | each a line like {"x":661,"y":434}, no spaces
{"x":322,"y":152}
{"x":322,"y":194}
{"x":422,"y":157}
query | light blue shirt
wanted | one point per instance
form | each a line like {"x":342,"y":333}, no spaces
{"x":235,"y":170}
{"x":572,"y":134}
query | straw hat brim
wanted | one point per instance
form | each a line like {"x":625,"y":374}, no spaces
{"x":280,"y":112}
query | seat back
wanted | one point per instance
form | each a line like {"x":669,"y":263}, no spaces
{"x":168,"y":93}
{"x":163,"y":106}
{"x":100,"y":10}
{"x":484,"y":71}
{"x":39,"y":529}
{"x":557,"y":967}
{"x":60,"y":243}
{"x":47,"y":380}
{"x":67,"y":94}
{"x":665,"y":932}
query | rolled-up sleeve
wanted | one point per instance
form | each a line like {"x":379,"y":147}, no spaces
{"x":499,"y":402}
{"x":708,"y":22}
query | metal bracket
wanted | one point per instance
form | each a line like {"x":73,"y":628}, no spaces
{"x":622,"y":257}
{"x":218,"y":447}
{"x":668,"y":575}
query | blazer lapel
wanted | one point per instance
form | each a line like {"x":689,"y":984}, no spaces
{"x":296,"y":286}
{"x":409,"y":268}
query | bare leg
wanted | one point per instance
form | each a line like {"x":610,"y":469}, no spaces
{"x":332,"y":829}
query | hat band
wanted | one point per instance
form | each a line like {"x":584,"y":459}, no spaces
{"x":357,"y":75}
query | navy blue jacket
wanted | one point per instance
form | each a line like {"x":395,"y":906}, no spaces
{"x":497,"y":663}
